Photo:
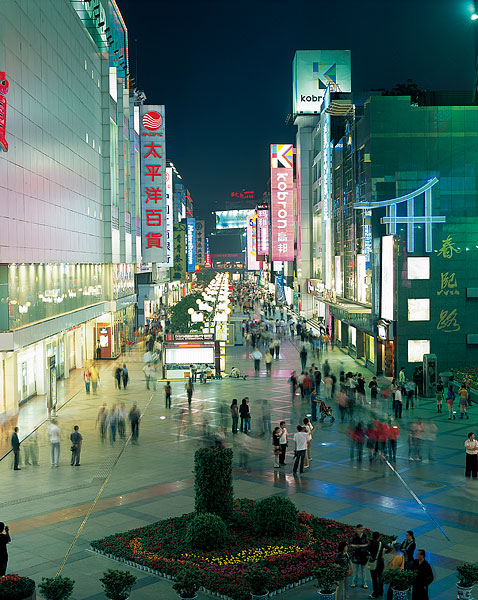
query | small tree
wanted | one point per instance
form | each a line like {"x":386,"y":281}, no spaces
{"x":213,"y":481}
{"x":186,"y":582}
{"x":467,"y":575}
{"x":398,"y":579}
{"x":117,"y":584}
{"x":56,"y":588}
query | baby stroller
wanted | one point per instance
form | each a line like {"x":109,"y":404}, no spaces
{"x":236,"y":373}
{"x":325,"y":411}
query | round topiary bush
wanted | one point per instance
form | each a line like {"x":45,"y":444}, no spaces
{"x":275,"y":516}
{"x":206,"y":532}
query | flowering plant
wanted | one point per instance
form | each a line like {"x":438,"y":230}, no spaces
{"x":14,"y":587}
{"x":286,"y":559}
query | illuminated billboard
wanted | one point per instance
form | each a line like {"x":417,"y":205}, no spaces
{"x":262,"y":212}
{"x":282,"y":202}
{"x":313,"y":71}
{"x":251,"y":254}
{"x":169,"y":215}
{"x":191,"y":244}
{"x":232,"y":219}
{"x":153,"y":185}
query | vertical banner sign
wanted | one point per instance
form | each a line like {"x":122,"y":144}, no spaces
{"x":3,"y":111}
{"x":207,"y":256}
{"x":200,"y":242}
{"x":153,"y":185}
{"x":280,"y":291}
{"x":169,"y":215}
{"x":179,"y":244}
{"x":251,"y":233}
{"x":262,"y":212}
{"x":282,"y":202}
{"x":191,"y":243}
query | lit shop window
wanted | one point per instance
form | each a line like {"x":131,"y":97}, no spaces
{"x":416,"y":350}
{"x":419,"y":309}
{"x":418,"y":267}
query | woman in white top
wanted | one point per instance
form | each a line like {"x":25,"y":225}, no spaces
{"x":309,"y":429}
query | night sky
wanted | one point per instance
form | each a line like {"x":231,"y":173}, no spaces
{"x":223,"y":70}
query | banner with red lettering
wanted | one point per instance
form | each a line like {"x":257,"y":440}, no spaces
{"x":282,"y":202}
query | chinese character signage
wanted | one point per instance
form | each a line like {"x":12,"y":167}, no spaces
{"x":282,"y":202}
{"x":153,"y":185}
{"x":169,"y":215}
{"x":3,"y":111}
{"x":315,"y":70}
{"x":262,"y":213}
{"x":207,"y":256}
{"x":178,"y":271}
{"x":200,"y":242}
{"x":191,"y":243}
{"x":251,"y":233}
{"x":242,"y":195}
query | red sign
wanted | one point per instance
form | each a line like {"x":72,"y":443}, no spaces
{"x":243,"y":195}
{"x":152,"y":120}
{"x":282,"y":203}
{"x":3,"y":111}
{"x":262,"y":232}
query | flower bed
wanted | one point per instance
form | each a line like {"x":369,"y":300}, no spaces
{"x":161,"y":547}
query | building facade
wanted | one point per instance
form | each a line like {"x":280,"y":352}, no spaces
{"x":68,"y":182}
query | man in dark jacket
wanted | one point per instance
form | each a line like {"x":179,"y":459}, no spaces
{"x":424,"y":577}
{"x":16,"y":449}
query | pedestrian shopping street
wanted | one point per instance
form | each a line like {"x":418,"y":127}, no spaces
{"x":45,"y":507}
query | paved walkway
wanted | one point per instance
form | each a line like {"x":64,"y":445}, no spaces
{"x":152,"y":480}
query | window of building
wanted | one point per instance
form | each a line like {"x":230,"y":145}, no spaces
{"x":418,"y":267}
{"x":419,"y":309}
{"x":113,"y":84}
{"x":114,"y":162}
{"x":416,"y":350}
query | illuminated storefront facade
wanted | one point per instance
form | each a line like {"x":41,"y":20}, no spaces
{"x":68,"y":184}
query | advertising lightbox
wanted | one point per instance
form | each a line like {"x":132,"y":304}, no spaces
{"x":387,"y":283}
{"x":262,"y":212}
{"x":282,"y":202}
{"x":251,"y":233}
{"x":191,"y":244}
{"x":313,"y":71}
{"x":169,"y":215}
{"x":153,"y":185}
{"x":232,"y":219}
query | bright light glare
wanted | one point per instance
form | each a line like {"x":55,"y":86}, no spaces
{"x":474,"y":16}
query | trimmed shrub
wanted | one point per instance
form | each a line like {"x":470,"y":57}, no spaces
{"x":275,"y":516}
{"x":206,"y":532}
{"x":213,"y":481}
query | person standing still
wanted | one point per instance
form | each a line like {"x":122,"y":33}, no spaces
{"x":277,"y":348}
{"x":15,"y":442}
{"x":234,"y":415}
{"x":276,"y":446}
{"x":283,"y":443}
{"x":54,"y":434}
{"x":471,"y":448}
{"x":4,"y":540}
{"x":268,"y":360}
{"x":167,"y":394}
{"x":358,"y":545}
{"x":134,"y":417}
{"x":76,"y":440}
{"x":256,"y":356}
{"x":244,"y":414}
{"x":424,"y":577}
{"x":300,"y":448}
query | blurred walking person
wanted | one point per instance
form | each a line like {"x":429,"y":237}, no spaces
{"x":303,"y":357}
{"x":76,"y":440}
{"x":101,"y":421}
{"x":117,"y":376}
{"x":450,"y":398}
{"x":125,"y":376}
{"x":122,"y":421}
{"x":439,"y":395}
{"x":189,"y":387}
{"x":95,"y":377}
{"x":87,"y":379}
{"x":113,"y":423}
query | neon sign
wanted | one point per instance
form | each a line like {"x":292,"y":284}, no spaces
{"x":410,"y":219}
{"x":3,"y":111}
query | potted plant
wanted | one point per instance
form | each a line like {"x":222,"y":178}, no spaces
{"x":186,"y":583}
{"x":400,"y":582}
{"x":467,"y":577}
{"x":257,"y":580}
{"x":117,"y":584}
{"x":56,"y":588}
{"x":14,"y":587}
{"x":328,"y":578}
